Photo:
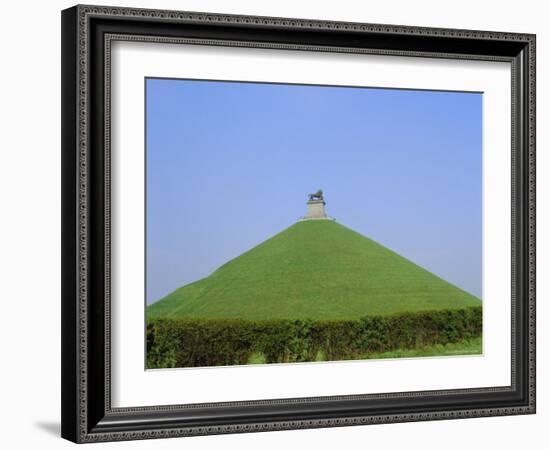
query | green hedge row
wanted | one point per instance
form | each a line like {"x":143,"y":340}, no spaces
{"x":216,"y":342}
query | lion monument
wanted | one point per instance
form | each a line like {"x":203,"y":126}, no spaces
{"x":316,"y":196}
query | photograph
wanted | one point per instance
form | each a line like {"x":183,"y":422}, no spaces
{"x":294,"y":223}
{"x":290,"y":221}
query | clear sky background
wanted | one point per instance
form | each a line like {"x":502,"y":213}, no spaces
{"x":230,"y":165}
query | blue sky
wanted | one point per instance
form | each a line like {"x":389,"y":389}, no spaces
{"x":230,"y":165}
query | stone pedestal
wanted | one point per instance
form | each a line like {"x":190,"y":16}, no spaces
{"x":316,"y":210}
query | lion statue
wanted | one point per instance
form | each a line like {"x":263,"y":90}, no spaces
{"x":316,"y":196}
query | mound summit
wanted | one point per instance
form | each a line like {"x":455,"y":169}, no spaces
{"x":316,"y":269}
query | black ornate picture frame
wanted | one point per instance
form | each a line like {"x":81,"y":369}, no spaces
{"x":87,"y":34}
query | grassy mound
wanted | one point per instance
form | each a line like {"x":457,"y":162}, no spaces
{"x":314,"y":270}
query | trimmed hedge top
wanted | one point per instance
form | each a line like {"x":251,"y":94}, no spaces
{"x":175,"y":343}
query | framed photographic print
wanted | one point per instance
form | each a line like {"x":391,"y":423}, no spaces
{"x":276,"y":223}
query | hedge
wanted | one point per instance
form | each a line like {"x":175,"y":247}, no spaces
{"x":215,"y":342}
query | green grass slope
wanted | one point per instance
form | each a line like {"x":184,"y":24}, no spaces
{"x":315,"y":269}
